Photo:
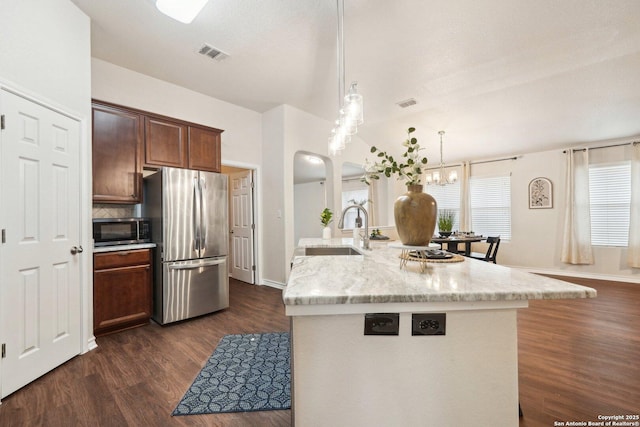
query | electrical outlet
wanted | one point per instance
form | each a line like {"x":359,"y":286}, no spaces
{"x":381,"y":323}
{"x":428,"y":323}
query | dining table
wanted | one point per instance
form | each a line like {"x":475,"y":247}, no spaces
{"x":452,"y":242}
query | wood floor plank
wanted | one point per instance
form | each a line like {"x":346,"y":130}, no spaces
{"x":577,"y":359}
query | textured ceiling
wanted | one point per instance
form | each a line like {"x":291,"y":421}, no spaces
{"x":499,"y":76}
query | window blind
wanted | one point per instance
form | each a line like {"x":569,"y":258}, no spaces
{"x":610,"y":203}
{"x":447,"y":197}
{"x":491,"y":206}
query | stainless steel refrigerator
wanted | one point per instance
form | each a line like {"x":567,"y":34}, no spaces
{"x":188,"y":212}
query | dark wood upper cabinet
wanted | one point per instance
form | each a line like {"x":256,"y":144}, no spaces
{"x":165,"y":143}
{"x":117,"y":140}
{"x":204,"y":149}
{"x":125,"y":140}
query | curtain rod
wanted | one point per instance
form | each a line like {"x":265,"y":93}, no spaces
{"x":602,"y":146}
{"x":355,"y":178}
{"x":495,"y":160}
{"x":474,"y":163}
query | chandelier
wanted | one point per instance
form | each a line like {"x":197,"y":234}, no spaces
{"x":439,"y":177}
{"x":350,"y":107}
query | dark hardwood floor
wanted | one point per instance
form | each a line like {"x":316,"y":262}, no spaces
{"x":578,"y":359}
{"x":137,"y":377}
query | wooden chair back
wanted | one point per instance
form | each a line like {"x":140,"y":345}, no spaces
{"x":492,"y":250}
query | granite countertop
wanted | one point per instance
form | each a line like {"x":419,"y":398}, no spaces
{"x":115,"y":248}
{"x":376,"y":277}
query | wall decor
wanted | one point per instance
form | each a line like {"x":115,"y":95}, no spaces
{"x":540,"y":193}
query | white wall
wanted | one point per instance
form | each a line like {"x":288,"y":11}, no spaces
{"x":537,"y":233}
{"x":271,"y":140}
{"x":309,"y":201}
{"x":242,"y":137}
{"x":45,"y":53}
{"x":536,"y":243}
{"x":45,"y":49}
{"x":273,"y":180}
{"x":308,"y":133}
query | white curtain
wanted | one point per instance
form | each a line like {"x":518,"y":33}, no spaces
{"x":373,"y":206}
{"x":634,"y":219}
{"x":465,"y":203}
{"x":576,"y":246}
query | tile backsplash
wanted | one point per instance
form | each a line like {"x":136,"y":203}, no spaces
{"x":104,"y":210}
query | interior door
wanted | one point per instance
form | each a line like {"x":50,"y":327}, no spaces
{"x":40,"y":317}
{"x":242,"y":227}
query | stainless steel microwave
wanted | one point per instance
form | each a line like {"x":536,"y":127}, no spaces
{"x":121,"y":231}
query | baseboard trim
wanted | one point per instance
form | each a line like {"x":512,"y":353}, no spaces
{"x":273,"y":284}
{"x":595,"y":276}
{"x":91,"y":344}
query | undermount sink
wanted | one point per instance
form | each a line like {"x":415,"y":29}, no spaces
{"x":331,"y":251}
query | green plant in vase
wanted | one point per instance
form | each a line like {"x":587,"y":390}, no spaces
{"x":415,"y":211}
{"x":446,"y":218}
{"x":326,"y":216}
{"x":408,"y":168}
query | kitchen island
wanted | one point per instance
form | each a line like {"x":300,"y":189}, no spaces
{"x":374,"y":344}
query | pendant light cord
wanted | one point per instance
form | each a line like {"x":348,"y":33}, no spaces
{"x":340,"y":42}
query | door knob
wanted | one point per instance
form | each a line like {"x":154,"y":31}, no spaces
{"x":76,"y":250}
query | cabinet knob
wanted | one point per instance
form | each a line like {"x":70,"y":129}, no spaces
{"x":76,"y":250}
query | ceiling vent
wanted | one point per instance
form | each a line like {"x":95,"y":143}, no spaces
{"x":212,"y":52}
{"x":407,"y":103}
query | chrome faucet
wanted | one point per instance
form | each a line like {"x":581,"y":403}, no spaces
{"x":365,"y":240}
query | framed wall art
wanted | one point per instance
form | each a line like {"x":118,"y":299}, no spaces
{"x":540,"y":193}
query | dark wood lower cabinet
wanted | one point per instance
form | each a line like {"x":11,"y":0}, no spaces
{"x":122,"y":283}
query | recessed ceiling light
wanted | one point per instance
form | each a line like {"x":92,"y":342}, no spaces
{"x":181,"y":10}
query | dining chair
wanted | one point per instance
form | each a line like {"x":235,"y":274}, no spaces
{"x":492,"y":250}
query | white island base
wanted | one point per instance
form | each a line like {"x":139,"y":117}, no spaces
{"x":468,"y":377}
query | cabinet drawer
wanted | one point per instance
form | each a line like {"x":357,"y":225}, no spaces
{"x":117,"y":259}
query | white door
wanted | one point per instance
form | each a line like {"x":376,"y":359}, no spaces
{"x":40,"y":315}
{"x":242,"y":226}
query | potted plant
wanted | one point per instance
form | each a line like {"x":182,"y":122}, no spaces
{"x":409,"y":168}
{"x":326,"y":216}
{"x":415,"y":212}
{"x":445,"y":222}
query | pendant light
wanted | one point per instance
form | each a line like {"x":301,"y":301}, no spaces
{"x":350,"y":106}
{"x":439,"y":177}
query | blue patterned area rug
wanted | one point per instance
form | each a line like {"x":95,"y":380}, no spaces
{"x":249,"y":372}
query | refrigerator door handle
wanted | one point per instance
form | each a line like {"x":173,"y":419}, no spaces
{"x":195,"y":223}
{"x":203,"y":223}
{"x":192,"y":266}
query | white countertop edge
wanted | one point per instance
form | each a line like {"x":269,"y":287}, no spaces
{"x":115,"y":248}
{"x":376,"y":278}
{"x":401,"y":307}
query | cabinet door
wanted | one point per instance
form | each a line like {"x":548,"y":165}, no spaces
{"x":204,"y":149}
{"x":117,"y":146}
{"x":165,"y":143}
{"x":122,"y":292}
